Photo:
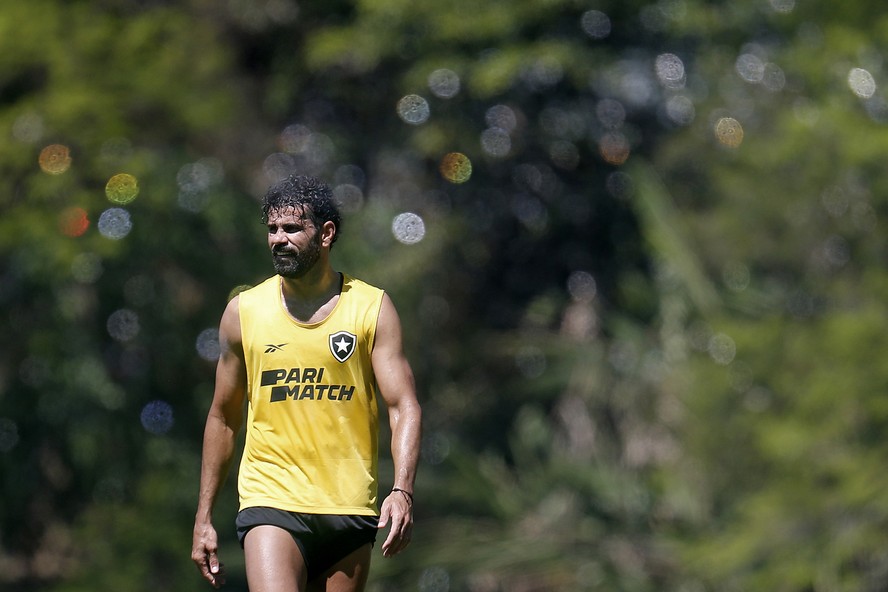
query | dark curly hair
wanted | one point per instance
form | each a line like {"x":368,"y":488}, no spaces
{"x":312,"y":195}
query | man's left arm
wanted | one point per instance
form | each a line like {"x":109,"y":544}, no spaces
{"x":398,"y":389}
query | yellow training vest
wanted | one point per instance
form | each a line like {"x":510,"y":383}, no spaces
{"x":312,"y":418}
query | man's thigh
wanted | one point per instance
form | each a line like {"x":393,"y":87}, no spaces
{"x":349,"y":574}
{"x":273,"y":560}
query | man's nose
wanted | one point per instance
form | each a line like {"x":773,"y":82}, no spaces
{"x":277,"y":237}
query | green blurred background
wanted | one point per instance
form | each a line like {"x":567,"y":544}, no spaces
{"x":638,"y":249}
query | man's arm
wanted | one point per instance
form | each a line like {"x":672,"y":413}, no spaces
{"x":398,"y":389}
{"x":223,"y":423}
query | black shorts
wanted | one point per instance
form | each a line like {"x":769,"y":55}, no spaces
{"x":323,"y":539}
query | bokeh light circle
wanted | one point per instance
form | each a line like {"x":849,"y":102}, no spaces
{"x":501,"y":116}
{"x":157,"y":417}
{"x":456,"y":167}
{"x":122,"y":188}
{"x":861,"y":83}
{"x":531,"y":361}
{"x":722,"y":349}
{"x":73,"y":221}
{"x":434,"y":579}
{"x":349,"y":197}
{"x":115,"y":223}
{"x":736,"y":276}
{"x":750,"y":67}
{"x":444,"y":83}
{"x":413,"y":109}
{"x":729,"y":132}
{"x":611,"y":113}
{"x":564,"y":155}
{"x":295,"y":138}
{"x":614,"y":148}
{"x":207,"y":345}
{"x":774,"y":78}
{"x":620,"y":185}
{"x":123,"y":325}
{"x":55,"y":159}
{"x":408,"y":228}
{"x":582,"y":286}
{"x":680,"y":110}
{"x":596,"y":24}
{"x":195,"y":180}
{"x":435,"y":448}
{"x":496,"y":142}
{"x":670,"y":70}
{"x":350,"y":174}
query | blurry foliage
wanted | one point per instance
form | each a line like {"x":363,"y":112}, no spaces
{"x":645,"y":328}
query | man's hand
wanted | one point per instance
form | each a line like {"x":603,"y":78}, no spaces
{"x":397,"y":509}
{"x":204,"y":554}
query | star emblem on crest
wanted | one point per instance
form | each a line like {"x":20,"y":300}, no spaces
{"x":342,"y":345}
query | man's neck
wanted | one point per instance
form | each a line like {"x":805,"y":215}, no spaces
{"x":311,"y":299}
{"x":313,"y":285}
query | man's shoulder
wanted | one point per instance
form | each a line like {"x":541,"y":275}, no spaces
{"x":257,"y":293}
{"x":361,"y":294}
{"x":264,"y":285}
{"x":350,"y":282}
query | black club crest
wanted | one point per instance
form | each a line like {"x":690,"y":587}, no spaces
{"x":342,"y":345}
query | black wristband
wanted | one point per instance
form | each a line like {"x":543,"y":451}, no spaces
{"x":406,"y":493}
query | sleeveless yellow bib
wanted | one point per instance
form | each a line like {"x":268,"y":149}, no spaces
{"x":312,"y":417}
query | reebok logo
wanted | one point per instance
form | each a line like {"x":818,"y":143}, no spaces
{"x":270,"y":348}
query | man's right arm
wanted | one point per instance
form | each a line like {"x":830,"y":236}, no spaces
{"x":223,"y":423}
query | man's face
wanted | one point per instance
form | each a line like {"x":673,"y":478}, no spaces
{"x":294,"y":241}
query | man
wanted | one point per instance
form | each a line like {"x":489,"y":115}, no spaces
{"x":305,"y":352}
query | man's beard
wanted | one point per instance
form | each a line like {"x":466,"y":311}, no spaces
{"x":295,"y":264}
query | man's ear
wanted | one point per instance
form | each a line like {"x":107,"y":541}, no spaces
{"x":328,"y":233}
